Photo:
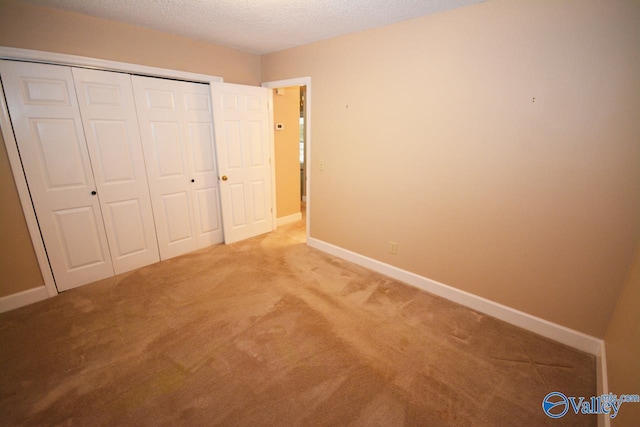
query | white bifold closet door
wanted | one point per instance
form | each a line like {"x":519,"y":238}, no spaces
{"x":122,"y":169}
{"x":176,"y":127}
{"x":89,"y":225}
{"x":110,"y":124}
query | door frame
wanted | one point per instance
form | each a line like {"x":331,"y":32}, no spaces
{"x":29,"y":55}
{"x":301,"y":81}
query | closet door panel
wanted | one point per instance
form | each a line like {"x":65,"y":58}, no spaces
{"x":167,"y":151}
{"x":129,"y":228}
{"x":110,"y":121}
{"x":46,"y":121}
{"x":202,"y":162}
{"x":208,"y":211}
{"x":179,"y":227}
{"x":60,"y":149}
{"x":79,"y":237}
{"x":160,"y":116}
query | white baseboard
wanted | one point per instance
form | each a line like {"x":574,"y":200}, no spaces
{"x":602,"y":381}
{"x":562,"y":334}
{"x":289,"y":219}
{"x":23,"y":298}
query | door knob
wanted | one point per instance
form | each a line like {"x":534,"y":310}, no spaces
{"x":93,"y":193}
{"x":193,"y":180}
{"x":224,"y":177}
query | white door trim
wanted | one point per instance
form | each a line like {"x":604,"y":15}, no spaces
{"x":10,"y":142}
{"x":301,"y":81}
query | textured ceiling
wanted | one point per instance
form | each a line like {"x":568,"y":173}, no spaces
{"x":257,"y":26}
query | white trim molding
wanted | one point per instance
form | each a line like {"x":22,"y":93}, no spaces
{"x":515,"y":317}
{"x":20,"y":299}
{"x":301,"y":81}
{"x":289,"y":219}
{"x":559,"y":333}
{"x":101,"y":64}
{"x":602,"y":381}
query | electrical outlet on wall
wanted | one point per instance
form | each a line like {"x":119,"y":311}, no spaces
{"x":393,"y":248}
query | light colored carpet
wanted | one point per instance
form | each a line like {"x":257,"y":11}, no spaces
{"x":271,"y":332}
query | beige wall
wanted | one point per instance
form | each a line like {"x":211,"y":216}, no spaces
{"x":431,"y":137}
{"x":31,"y":27}
{"x":286,"y":110}
{"x":19,"y":268}
{"x":623,"y":347}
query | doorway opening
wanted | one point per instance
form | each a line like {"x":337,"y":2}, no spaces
{"x":292,"y":156}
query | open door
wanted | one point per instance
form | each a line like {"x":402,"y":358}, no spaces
{"x":243,"y":135}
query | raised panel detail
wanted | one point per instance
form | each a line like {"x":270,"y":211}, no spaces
{"x":79,"y":237}
{"x":126,"y":220}
{"x":201,"y":140}
{"x":168,"y":151}
{"x":208,"y":209}
{"x":256,"y":143}
{"x":229,"y":102}
{"x":259,"y":201}
{"x":234,"y":144}
{"x":114,"y":151}
{"x":59,"y":147}
{"x":45,"y":92}
{"x":238,"y":214}
{"x":101,"y":94}
{"x":196,"y":102}
{"x":253,"y":103}
{"x":178,"y":225}
{"x":160,"y":100}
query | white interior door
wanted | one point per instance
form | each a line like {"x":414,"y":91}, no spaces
{"x":110,"y":123}
{"x":177,"y":137}
{"x":243,"y":133}
{"x":46,"y":121}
